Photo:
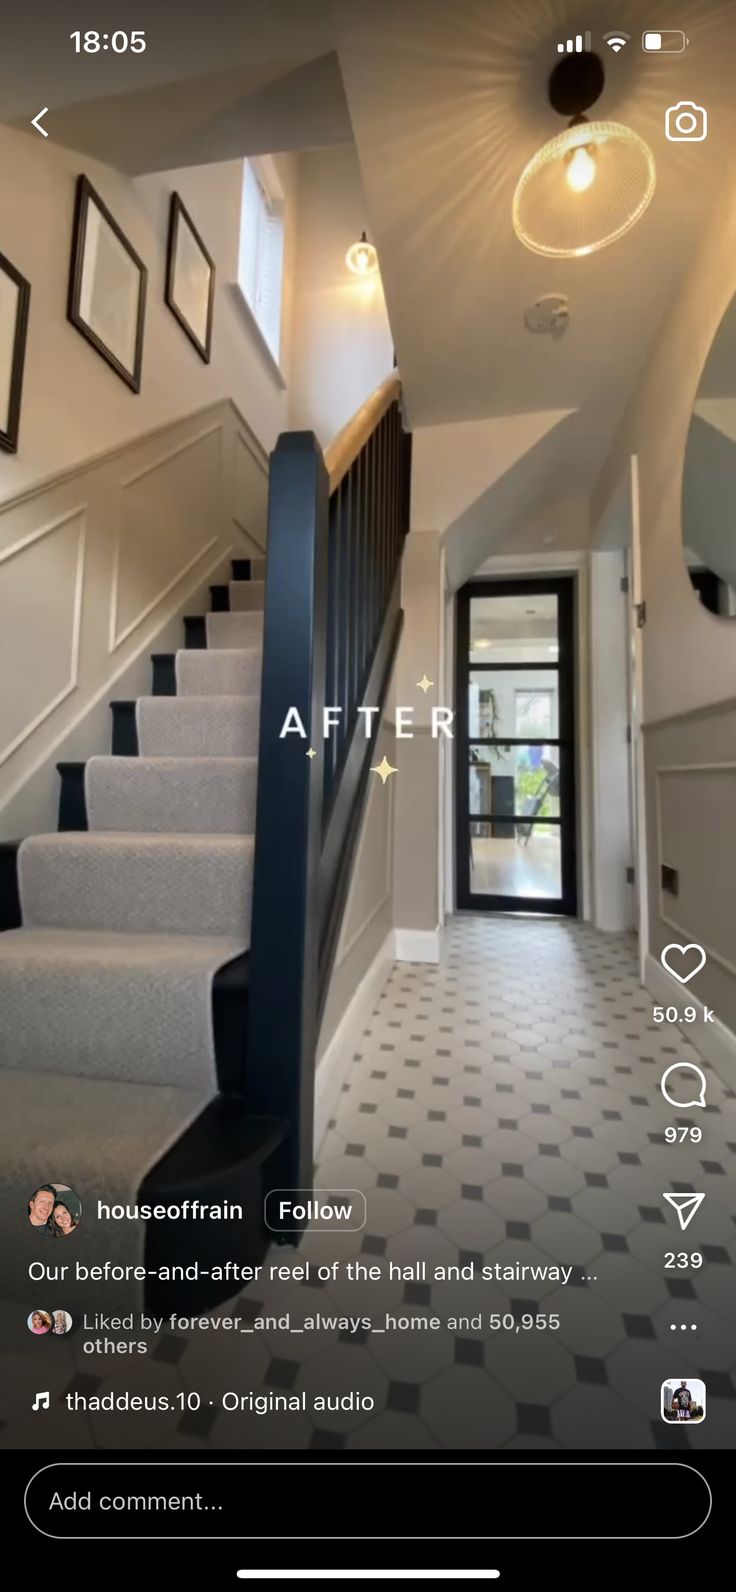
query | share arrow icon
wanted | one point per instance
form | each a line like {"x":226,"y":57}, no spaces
{"x":686,"y":1205}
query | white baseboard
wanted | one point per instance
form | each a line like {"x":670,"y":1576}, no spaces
{"x":418,"y":945}
{"x":714,"y":1041}
{"x":333,"y":1066}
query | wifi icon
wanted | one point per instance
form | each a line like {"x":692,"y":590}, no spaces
{"x":616,"y":41}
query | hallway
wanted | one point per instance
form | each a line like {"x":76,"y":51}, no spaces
{"x":503,"y":1107}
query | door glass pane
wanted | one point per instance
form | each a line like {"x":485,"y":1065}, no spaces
{"x":524,"y":780}
{"x":521,"y":865}
{"x":523,"y":627}
{"x":514,"y":702}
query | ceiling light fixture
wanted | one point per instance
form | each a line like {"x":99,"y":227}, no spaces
{"x":362,"y":257}
{"x":591,"y":183}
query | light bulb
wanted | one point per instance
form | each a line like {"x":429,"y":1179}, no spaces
{"x":362,"y":257}
{"x":580,"y":170}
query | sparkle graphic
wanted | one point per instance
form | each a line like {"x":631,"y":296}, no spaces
{"x":311,"y":753}
{"x":384,"y":769}
{"x":424,"y":684}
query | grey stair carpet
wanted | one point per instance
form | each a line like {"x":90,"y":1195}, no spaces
{"x":197,"y":726}
{"x":138,"y":883}
{"x":235,"y":629}
{"x":135,"y":1007}
{"x":182,"y":795}
{"x":227,"y":672}
{"x":101,"y":1136}
{"x":107,"y":1045}
{"x":245,"y":595}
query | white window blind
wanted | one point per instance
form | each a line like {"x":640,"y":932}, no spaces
{"x":261,"y":263}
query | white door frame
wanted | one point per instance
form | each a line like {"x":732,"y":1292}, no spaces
{"x":636,"y":715}
{"x":618,"y":533}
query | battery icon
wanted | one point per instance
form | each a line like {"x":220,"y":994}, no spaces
{"x":666,"y":41}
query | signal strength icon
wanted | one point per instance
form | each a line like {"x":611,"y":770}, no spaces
{"x":616,"y":41}
{"x":576,"y":45}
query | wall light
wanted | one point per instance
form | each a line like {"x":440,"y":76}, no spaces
{"x":362,"y":257}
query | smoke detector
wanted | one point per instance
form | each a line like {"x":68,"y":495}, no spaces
{"x":548,"y":315}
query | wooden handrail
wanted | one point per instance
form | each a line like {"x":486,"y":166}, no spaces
{"x":344,"y":449}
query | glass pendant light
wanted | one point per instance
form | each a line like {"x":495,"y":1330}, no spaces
{"x":362,"y":257}
{"x":590,"y":184}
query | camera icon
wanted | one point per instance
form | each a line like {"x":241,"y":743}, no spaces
{"x":686,"y":123}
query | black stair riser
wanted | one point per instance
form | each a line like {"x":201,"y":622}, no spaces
{"x":219,"y":599}
{"x":195,"y":631}
{"x":164,"y":673}
{"x":226,"y":1156}
{"x":10,"y":914}
{"x":230,"y":1021}
{"x":72,"y":797}
{"x":241,"y":568}
{"x":124,"y":730}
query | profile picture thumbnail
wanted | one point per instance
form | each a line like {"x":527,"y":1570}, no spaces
{"x":683,"y":1400}
{"x":62,"y":1322}
{"x":40,"y":1322}
{"x":55,"y":1210}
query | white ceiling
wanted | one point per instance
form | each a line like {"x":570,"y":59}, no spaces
{"x":448,"y":103}
{"x":447,"y":100}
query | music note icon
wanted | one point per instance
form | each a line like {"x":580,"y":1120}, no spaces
{"x":41,"y":1402}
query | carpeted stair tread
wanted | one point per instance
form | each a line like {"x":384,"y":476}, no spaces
{"x":136,"y":1007}
{"x":101,"y":1135}
{"x":225,"y":671}
{"x":140,"y":883}
{"x":198,"y":726}
{"x":182,"y":795}
{"x":235,"y":630}
{"x":246,"y":595}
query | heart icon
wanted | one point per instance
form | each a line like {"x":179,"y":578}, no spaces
{"x":682,"y":950}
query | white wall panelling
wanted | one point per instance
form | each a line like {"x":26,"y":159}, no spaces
{"x":96,"y":562}
{"x":696,"y":834}
{"x":41,"y":581}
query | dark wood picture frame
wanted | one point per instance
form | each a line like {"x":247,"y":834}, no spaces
{"x":9,"y":437}
{"x":87,"y":195}
{"x":179,"y":214}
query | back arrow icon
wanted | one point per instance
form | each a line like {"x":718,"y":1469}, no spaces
{"x":36,"y":121}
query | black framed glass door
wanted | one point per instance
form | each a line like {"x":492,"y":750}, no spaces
{"x":515,"y":746}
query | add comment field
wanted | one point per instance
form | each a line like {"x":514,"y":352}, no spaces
{"x":324,"y":1504}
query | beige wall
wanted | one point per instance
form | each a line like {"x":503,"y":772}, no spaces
{"x":689,"y":656}
{"x":74,"y":406}
{"x":342,"y":340}
{"x":118,"y":508}
{"x":95,"y":570}
{"x":368,"y":916}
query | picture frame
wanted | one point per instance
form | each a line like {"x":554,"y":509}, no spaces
{"x":107,"y":286}
{"x":15,"y":298}
{"x":190,"y":279}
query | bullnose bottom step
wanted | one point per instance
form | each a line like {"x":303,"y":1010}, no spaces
{"x":229,"y":1159}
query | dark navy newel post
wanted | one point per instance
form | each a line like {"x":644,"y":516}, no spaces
{"x":284,"y":935}
{"x":332,"y":625}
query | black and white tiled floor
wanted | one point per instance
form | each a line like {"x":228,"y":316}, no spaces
{"x":503,"y":1107}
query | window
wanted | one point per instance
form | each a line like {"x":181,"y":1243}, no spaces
{"x":534,"y":714}
{"x":261,"y":262}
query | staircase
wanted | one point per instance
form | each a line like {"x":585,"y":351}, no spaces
{"x":124,"y":985}
{"x":148,"y":1054}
